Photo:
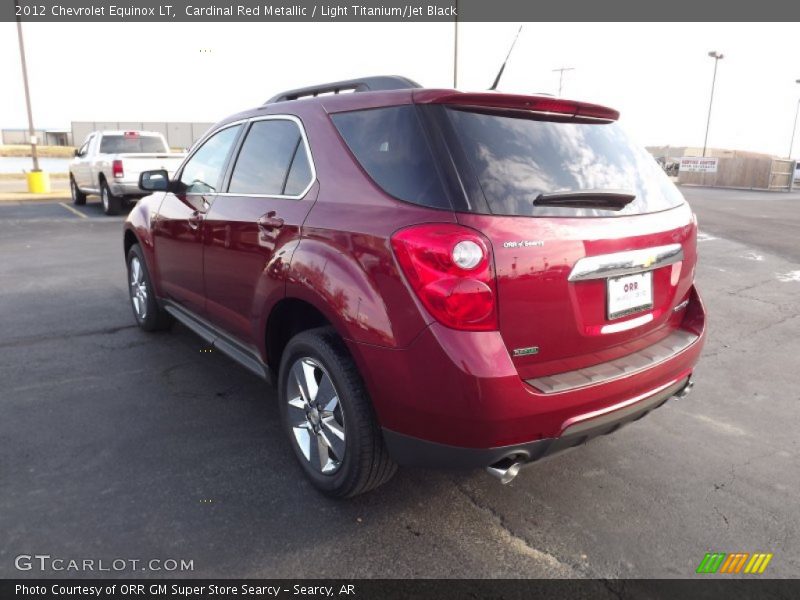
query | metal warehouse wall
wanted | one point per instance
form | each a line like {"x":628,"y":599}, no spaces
{"x":179,"y":135}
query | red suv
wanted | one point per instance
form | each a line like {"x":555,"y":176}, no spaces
{"x":431,"y":277}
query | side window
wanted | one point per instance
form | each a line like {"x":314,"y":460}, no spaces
{"x":202,"y":173}
{"x":390,"y":144}
{"x":300,"y":172}
{"x":273,"y":160}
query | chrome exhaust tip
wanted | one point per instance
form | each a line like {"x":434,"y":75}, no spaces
{"x":505,"y":470}
{"x":685,"y":390}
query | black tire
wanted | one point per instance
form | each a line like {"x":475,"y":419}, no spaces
{"x":112,"y":205}
{"x":78,"y":197}
{"x":153,"y":318}
{"x":366,"y":463}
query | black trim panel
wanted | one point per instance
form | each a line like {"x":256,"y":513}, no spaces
{"x":218,"y":339}
{"x":415,"y":452}
{"x":410,"y":451}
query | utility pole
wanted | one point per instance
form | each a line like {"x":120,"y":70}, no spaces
{"x":31,"y":130}
{"x":717,"y":57}
{"x":561,"y":77}
{"x":794,"y":127}
{"x":455,"y":48}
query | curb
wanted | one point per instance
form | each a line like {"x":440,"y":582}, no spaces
{"x":28,"y":197}
{"x":21,"y":177}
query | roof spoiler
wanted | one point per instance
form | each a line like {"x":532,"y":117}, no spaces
{"x":366,"y":84}
{"x":515,"y":102}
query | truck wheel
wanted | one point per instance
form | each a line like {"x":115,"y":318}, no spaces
{"x":112,"y":205}
{"x":78,"y":197}
{"x":149,"y":315}
{"x":328,"y":416}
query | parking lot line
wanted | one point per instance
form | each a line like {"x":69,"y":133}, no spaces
{"x":72,"y":210}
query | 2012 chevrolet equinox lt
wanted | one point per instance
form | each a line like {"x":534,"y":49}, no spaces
{"x":431,"y":277}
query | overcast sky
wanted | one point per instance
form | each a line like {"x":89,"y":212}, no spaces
{"x":657,"y":75}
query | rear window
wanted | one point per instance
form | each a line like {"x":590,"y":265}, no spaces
{"x":516,"y":159}
{"x":392,"y":148}
{"x":139,"y":144}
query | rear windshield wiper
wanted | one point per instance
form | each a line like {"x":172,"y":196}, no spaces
{"x":605,"y":199}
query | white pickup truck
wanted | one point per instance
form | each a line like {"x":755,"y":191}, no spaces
{"x":109,"y":162}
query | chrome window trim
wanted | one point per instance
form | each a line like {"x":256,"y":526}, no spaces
{"x":625,"y":263}
{"x":309,"y":156}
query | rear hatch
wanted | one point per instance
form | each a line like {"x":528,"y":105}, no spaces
{"x":133,"y":164}
{"x":139,"y":152}
{"x":594,"y":247}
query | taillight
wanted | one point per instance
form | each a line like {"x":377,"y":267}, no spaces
{"x":116,"y":168}
{"x":450,"y":269}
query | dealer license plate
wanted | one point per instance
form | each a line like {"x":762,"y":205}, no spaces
{"x":629,"y":294}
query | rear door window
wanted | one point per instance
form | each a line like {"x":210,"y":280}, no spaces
{"x":273,"y":161}
{"x":517,"y":158}
{"x":391,"y":146}
{"x":299,"y":173}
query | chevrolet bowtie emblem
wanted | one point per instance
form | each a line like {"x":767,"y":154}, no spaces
{"x":648,"y":261}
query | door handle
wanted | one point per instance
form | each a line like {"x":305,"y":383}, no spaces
{"x":270,"y":221}
{"x":195,"y":219}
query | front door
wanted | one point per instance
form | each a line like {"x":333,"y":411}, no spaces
{"x":81,"y":167}
{"x":178,"y":229}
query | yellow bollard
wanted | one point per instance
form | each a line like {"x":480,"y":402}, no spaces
{"x":38,"y":182}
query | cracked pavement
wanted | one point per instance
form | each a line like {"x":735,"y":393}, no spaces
{"x":116,"y":443}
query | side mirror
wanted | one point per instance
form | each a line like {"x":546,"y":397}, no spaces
{"x":154,"y":181}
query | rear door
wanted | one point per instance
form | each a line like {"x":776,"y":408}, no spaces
{"x":579,"y":283}
{"x":253,"y":227}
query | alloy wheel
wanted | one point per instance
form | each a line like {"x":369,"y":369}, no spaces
{"x":138,"y":288}
{"x":104,"y":197}
{"x":315,"y":415}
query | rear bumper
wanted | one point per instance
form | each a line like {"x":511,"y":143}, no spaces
{"x":126,"y":188}
{"x":410,"y":451}
{"x":458,"y":395}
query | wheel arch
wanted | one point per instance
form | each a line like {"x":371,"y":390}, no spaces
{"x":138,"y":230}
{"x":129,"y":240}
{"x":308,"y":310}
{"x":289,"y":317}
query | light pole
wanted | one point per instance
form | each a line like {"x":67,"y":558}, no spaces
{"x":794,"y":127}
{"x":31,"y":130}
{"x":716,"y":56}
{"x":561,"y":77}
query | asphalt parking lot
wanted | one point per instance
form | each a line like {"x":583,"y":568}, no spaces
{"x":115,"y":443}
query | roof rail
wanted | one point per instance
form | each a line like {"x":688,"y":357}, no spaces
{"x":365,"y":84}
